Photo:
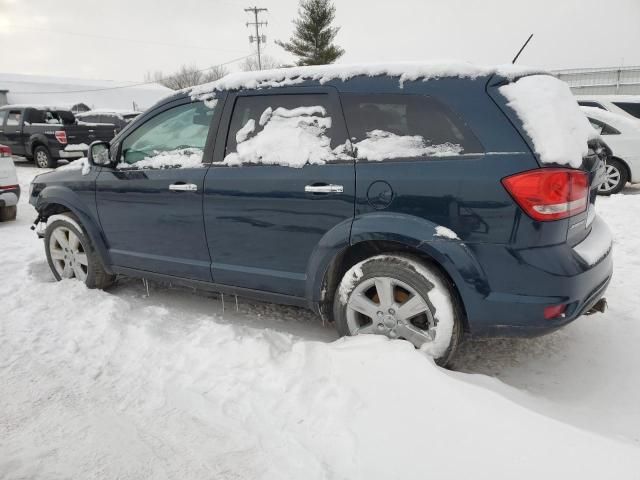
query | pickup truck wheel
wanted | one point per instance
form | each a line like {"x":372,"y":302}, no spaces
{"x":70,"y":253}
{"x":8,"y":213}
{"x":402,"y":298}
{"x":43,"y":158}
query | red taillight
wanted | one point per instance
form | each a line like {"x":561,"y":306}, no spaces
{"x":549,"y":193}
{"x":554,"y":311}
{"x":5,"y":151}
{"x":8,"y":187}
{"x":61,"y":136}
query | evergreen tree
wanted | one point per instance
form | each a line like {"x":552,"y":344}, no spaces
{"x":312,"y":41}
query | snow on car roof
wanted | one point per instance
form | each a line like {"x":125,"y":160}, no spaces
{"x":406,"y":71}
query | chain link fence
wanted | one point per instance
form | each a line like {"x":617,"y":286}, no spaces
{"x":602,"y":81}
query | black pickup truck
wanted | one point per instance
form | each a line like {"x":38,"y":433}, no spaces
{"x":47,"y":134}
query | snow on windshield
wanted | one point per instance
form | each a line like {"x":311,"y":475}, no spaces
{"x":180,"y":158}
{"x":551,"y":117}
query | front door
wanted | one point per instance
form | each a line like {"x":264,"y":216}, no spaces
{"x":150,"y":205}
{"x":282,"y":184}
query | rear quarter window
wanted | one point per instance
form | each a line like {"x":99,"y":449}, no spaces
{"x":388,"y":126}
{"x":629,"y":107}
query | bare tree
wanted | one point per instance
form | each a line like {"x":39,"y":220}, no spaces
{"x":250,"y":64}
{"x":186,"y":76}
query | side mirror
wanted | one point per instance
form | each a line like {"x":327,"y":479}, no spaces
{"x":99,"y":154}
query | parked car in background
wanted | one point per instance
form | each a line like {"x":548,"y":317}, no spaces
{"x":622,"y":135}
{"x":9,"y":187}
{"x":625,"y":105}
{"x":406,"y":200}
{"x":47,"y":134}
{"x":118,"y":118}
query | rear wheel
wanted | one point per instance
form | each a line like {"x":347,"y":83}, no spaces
{"x":616,"y":177}
{"x":401,"y":298}
{"x":43,"y":158}
{"x":8,"y":213}
{"x":71,"y":255}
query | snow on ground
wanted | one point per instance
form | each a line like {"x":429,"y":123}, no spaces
{"x":123,"y":385}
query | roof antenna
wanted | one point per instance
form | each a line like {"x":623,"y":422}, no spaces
{"x":521,"y":49}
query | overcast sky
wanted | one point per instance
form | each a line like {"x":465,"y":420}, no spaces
{"x":123,"y":39}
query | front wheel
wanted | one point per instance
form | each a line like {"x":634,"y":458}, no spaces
{"x":70,"y":253}
{"x":616,"y":177}
{"x":402,"y":298}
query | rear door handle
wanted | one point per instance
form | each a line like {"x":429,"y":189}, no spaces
{"x":324,"y":188}
{"x":183,"y":187}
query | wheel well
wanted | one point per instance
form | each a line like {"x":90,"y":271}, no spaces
{"x":52,"y":209}
{"x":363,"y":250}
{"x":38,"y":143}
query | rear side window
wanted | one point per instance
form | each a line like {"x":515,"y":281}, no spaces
{"x":584,"y":103}
{"x":629,"y":107}
{"x":288,"y":130}
{"x":387,"y":126}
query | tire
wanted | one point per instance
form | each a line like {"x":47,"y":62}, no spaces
{"x":43,"y":159}
{"x":617,"y":177}
{"x":77,"y":258}
{"x":432,"y":322}
{"x":8,"y":213}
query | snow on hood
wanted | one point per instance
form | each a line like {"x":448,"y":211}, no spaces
{"x":551,"y":117}
{"x":405,"y":71}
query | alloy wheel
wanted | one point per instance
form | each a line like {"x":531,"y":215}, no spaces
{"x":391,"y":307}
{"x":42,"y":159}
{"x":612,"y":178}
{"x":68,"y":255}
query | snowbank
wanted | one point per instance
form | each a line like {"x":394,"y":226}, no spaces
{"x":405,"y":71}
{"x":551,"y":117}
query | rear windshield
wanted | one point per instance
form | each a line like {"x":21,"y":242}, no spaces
{"x":629,"y":107}
{"x":550,"y":116}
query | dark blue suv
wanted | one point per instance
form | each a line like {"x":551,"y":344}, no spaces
{"x":412,"y":201}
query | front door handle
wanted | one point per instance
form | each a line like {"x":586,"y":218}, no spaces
{"x":183,"y":187}
{"x":324,"y":188}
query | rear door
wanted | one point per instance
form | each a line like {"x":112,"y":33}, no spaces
{"x":150,"y":206}
{"x":266,"y":208}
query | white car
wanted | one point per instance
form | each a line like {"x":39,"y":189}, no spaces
{"x":9,"y":188}
{"x":622,"y":134}
{"x":625,"y":105}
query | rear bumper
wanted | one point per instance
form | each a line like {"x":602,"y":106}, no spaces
{"x":71,"y":155}
{"x":523,"y":283}
{"x":9,"y":197}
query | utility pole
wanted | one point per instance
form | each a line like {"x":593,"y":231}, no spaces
{"x":258,"y":38}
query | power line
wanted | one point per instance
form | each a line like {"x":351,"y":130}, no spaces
{"x":259,"y":38}
{"x":128,"y":40}
{"x":133,"y":84}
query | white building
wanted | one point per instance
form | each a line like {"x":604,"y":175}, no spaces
{"x":17,"y":88}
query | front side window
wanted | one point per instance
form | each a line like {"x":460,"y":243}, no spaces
{"x":387,"y":126}
{"x":175,"y":138}
{"x":14,"y":117}
{"x":629,"y":107}
{"x":288,"y":130}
